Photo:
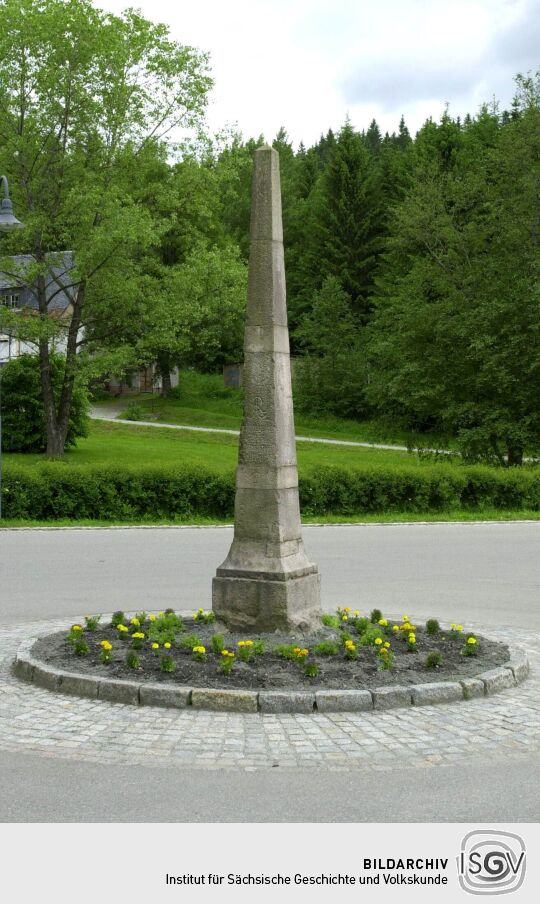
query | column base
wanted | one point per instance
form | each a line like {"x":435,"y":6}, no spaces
{"x":259,"y":604}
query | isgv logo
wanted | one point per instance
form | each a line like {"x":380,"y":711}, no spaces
{"x":491,"y":862}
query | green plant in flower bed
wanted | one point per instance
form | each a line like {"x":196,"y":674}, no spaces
{"x":137,"y":640}
{"x":80,"y":646}
{"x":132,"y":660}
{"x":370,"y":635}
{"x":376,"y":616}
{"x":75,"y":632}
{"x":350,"y":649}
{"x":218,"y":643}
{"x":206,"y":618}
{"x":141,"y":616}
{"x":92,"y":622}
{"x":118,"y":618}
{"x":311,"y":669}
{"x":411,"y":642}
{"x":258,"y":647}
{"x":330,"y":621}
{"x":326,"y":648}
{"x":123,"y":631}
{"x":455,"y":631}
{"x":360,"y":625}
{"x":434,"y":660}
{"x":226,"y":662}
{"x":245,"y":650}
{"x":188,"y":641}
{"x":385,"y":658}
{"x":106,"y":648}
{"x":167,"y":663}
{"x":165,"y":627}
{"x":286,"y":651}
{"x":470,"y":647}
{"x":432,"y":626}
{"x":199,"y":653}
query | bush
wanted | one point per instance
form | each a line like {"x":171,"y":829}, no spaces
{"x":23,"y":417}
{"x":134,"y":412}
{"x":48,"y":491}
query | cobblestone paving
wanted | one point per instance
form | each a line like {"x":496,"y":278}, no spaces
{"x":32,"y":720}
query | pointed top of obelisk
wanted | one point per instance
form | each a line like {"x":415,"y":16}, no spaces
{"x":266,"y":221}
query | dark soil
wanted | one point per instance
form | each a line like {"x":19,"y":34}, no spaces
{"x":270,"y":671}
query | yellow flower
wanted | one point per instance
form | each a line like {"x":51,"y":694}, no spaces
{"x":404,"y":618}
{"x":244,"y":643}
{"x":151,"y":617}
{"x":298,"y":651}
{"x":412,"y":638}
{"x":395,"y":627}
{"x":344,"y":618}
{"x":346,"y":608}
{"x":387,"y":645}
{"x":135,"y":621}
{"x":378,"y":641}
{"x":199,"y":649}
{"x":76,"y":628}
{"x":167,"y":645}
{"x":383,"y":650}
{"x":350,"y":645}
{"x":383,"y":622}
{"x":106,"y":645}
{"x":138,"y":634}
{"x":161,"y":614}
{"x":356,"y":613}
{"x":227,"y":653}
{"x":471,"y":640}
{"x":155,"y":646}
{"x":122,"y":628}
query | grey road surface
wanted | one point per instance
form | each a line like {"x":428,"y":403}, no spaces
{"x":50,"y":790}
{"x":484,"y":573}
{"x":488,"y":573}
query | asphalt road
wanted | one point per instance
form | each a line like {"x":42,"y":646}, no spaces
{"x":50,"y":790}
{"x":488,"y":573}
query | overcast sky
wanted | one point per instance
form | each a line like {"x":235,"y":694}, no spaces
{"x":306,"y":64}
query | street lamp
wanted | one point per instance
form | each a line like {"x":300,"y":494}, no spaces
{"x":7,"y":222}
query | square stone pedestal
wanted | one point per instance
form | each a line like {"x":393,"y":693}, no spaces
{"x":262,"y":604}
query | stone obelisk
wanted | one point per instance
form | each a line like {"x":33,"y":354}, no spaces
{"x":267,"y":583}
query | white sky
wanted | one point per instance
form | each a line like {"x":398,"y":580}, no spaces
{"x":306,"y":64}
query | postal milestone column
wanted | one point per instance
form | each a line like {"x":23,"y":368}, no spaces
{"x":267,"y":583}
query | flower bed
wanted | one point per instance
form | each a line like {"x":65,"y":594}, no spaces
{"x":350,"y":651}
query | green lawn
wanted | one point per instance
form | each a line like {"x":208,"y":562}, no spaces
{"x":389,"y":518}
{"x":110,"y":443}
{"x":203,"y":401}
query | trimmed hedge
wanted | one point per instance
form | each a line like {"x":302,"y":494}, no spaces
{"x":51,"y":491}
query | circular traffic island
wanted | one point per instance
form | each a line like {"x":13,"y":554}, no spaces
{"x":354,"y":663}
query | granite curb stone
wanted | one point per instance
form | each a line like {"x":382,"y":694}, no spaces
{"x":519,"y":665}
{"x":436,"y":692}
{"x":497,"y":679}
{"x":228,"y":700}
{"x":286,"y":702}
{"x":472,"y":687}
{"x":79,"y":685}
{"x":390,"y":697}
{"x":115,"y":690}
{"x":161,"y":695}
{"x":343,"y":701}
